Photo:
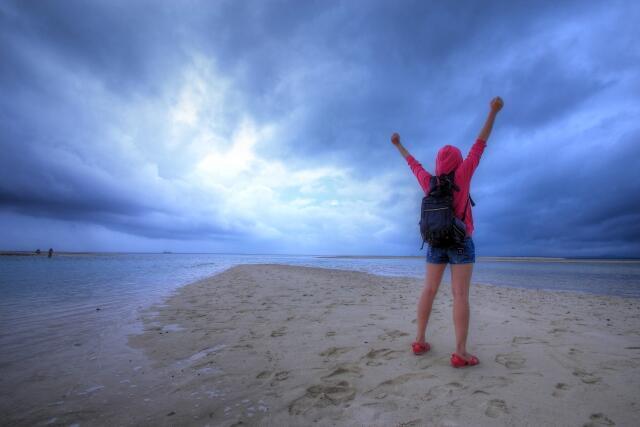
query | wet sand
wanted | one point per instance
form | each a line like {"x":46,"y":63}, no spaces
{"x":284,"y":345}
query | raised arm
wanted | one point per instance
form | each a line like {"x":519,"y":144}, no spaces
{"x":422,"y":175}
{"x":395,"y":140}
{"x":496,"y":105}
{"x":472,"y":160}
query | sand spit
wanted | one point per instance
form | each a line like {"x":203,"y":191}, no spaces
{"x":284,"y":345}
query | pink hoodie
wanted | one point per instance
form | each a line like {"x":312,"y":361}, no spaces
{"x":448,"y":159}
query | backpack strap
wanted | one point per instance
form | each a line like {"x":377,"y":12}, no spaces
{"x":464,"y":215}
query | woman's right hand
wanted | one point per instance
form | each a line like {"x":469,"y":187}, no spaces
{"x":395,"y":138}
{"x":496,"y":104}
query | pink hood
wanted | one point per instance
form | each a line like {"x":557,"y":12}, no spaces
{"x":449,"y":158}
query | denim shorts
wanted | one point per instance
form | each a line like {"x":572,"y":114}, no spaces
{"x":466,"y":255}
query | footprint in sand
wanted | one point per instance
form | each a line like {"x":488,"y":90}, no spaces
{"x":560,"y":389}
{"x":345,"y":369}
{"x":574,"y":352}
{"x":278,"y":376}
{"x":599,"y":419}
{"x":443,"y":390}
{"x":527,"y":340}
{"x":322,"y":395}
{"x":392,"y":334}
{"x":586,"y":377}
{"x":391,"y":386}
{"x":242,"y":346}
{"x":279,"y":332}
{"x":413,"y":423}
{"x":254,"y":335}
{"x":493,"y":382}
{"x":375,"y":357}
{"x":281,"y":376}
{"x":335,"y":351}
{"x":511,"y":360}
{"x":495,"y":408}
{"x":384,"y":406}
{"x":264,"y":374}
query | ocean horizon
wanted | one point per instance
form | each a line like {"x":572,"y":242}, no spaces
{"x":484,"y":257}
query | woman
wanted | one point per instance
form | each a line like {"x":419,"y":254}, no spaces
{"x":449,"y":159}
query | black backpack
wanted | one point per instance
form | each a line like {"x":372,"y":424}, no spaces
{"x":438,"y":225}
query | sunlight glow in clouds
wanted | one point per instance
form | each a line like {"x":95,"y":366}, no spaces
{"x":268,"y":197}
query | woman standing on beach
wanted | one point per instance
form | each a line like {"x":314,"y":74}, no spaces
{"x":449,"y":158}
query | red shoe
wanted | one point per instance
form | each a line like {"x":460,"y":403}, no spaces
{"x":459,"y":362}
{"x":419,"y":348}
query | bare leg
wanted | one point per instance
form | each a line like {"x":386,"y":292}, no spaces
{"x":431,"y":284}
{"x":460,"y":280}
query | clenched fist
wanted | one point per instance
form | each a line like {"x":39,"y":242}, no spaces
{"x":496,"y":104}
{"x":395,"y":138}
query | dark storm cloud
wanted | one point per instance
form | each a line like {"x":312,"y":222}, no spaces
{"x":548,"y":89}
{"x":366,"y":68}
{"x":39,"y":186}
{"x":129,"y":46}
{"x":342,"y":76}
{"x":69,"y":191}
{"x":583,"y":200}
{"x":125,"y":47}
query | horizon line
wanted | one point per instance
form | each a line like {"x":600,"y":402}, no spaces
{"x":44,"y":252}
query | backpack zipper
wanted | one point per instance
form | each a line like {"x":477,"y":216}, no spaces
{"x":435,"y":209}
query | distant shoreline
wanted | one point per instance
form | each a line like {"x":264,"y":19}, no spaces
{"x":480,"y":259}
{"x":46,"y":253}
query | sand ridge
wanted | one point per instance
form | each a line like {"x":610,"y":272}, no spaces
{"x":285,"y":345}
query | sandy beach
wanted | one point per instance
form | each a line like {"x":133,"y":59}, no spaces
{"x":280,"y":345}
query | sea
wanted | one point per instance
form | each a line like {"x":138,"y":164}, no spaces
{"x":48,"y":305}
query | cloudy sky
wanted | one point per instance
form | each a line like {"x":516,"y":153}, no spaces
{"x":263,"y":126}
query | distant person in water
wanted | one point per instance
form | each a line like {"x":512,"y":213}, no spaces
{"x":450,"y":159}
{"x":50,"y":253}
